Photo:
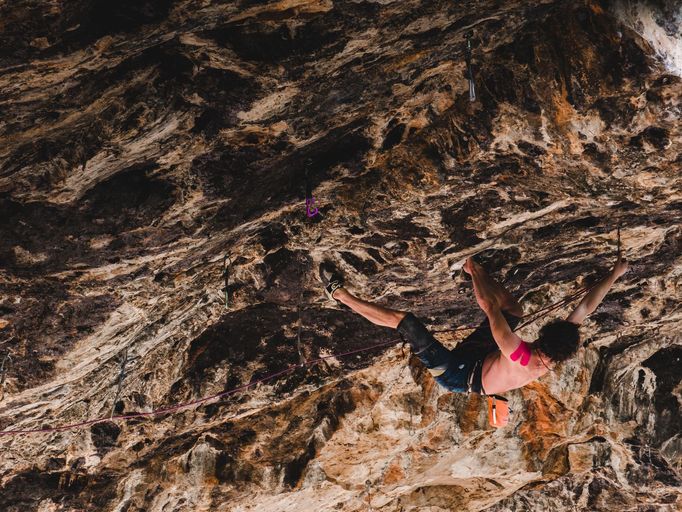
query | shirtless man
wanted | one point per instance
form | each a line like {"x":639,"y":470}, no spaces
{"x":493,"y":359}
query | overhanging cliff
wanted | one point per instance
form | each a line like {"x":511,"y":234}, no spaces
{"x":142,"y":142}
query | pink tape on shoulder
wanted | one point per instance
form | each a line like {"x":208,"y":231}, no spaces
{"x":523,"y":352}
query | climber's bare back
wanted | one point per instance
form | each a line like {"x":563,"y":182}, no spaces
{"x":500,"y":374}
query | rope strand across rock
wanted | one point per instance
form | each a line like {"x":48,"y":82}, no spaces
{"x":185,"y":405}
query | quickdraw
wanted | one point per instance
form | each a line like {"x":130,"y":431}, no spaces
{"x":226,"y":277}
{"x":470,"y":71}
{"x":309,"y":199}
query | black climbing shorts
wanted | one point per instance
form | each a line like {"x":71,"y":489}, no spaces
{"x":460,"y":369}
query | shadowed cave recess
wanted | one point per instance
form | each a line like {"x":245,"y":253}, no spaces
{"x":144,"y":144}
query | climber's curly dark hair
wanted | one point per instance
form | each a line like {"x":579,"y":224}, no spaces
{"x":558,"y":340}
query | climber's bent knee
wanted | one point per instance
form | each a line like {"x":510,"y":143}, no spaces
{"x":427,"y":348}
{"x":398,"y":317}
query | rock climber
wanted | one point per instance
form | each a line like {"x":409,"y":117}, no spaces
{"x":492,"y":359}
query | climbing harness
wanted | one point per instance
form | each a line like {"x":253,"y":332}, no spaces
{"x":470,"y":379}
{"x":470,"y":72}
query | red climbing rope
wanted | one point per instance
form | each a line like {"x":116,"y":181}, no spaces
{"x":184,"y":405}
{"x":557,"y":305}
{"x":536,"y":315}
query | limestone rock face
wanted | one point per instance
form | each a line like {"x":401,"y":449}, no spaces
{"x":142,"y":142}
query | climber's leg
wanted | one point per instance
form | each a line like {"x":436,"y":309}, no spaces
{"x":373,"y":312}
{"x":427,"y":348}
{"x":332,"y":280}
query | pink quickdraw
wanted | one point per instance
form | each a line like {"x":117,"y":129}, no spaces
{"x":309,"y":210}
{"x":523,"y":353}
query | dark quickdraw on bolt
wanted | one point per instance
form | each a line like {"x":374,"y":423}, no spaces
{"x":226,"y":277}
{"x":470,"y":71}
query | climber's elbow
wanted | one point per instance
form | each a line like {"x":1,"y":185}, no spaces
{"x":505,"y":338}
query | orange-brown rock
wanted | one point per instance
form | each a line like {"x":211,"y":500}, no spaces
{"x":142,"y":142}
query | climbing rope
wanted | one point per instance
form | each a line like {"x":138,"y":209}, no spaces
{"x":570,"y":298}
{"x":226,"y":267}
{"x":536,"y":315}
{"x":185,"y":405}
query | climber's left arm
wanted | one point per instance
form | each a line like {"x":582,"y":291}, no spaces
{"x":504,"y":336}
{"x":489,"y":303}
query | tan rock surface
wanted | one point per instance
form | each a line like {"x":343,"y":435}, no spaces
{"x":142,"y":141}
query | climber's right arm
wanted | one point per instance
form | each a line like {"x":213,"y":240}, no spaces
{"x":592,"y":300}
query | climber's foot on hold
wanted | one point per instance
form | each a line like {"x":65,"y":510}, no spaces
{"x":331,"y":279}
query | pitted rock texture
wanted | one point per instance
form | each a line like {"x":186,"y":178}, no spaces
{"x":142,"y":142}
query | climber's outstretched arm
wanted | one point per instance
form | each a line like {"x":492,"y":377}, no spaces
{"x":597,"y":294}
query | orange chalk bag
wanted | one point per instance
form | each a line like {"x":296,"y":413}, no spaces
{"x":498,"y":411}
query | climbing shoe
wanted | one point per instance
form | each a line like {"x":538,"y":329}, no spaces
{"x":331,"y":279}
